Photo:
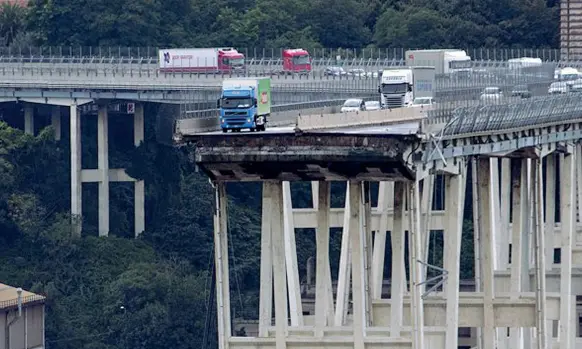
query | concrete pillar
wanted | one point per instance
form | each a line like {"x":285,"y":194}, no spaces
{"x":358,"y":271}
{"x":294,"y":287}
{"x":455,"y":198}
{"x":476,"y":239}
{"x":579,"y":182}
{"x":519,"y":241}
{"x":485,"y":204}
{"x":76,"y":184}
{"x":504,"y":205}
{"x":266,"y":285}
{"x":56,"y":121}
{"x":366,"y":219}
{"x":139,"y":188}
{"x":415,"y":249}
{"x":568,"y":226}
{"x":221,"y":262}
{"x":322,"y":261}
{"x":344,"y":274}
{"x":539,"y":254}
{"x":29,"y":119}
{"x":103,"y":168}
{"x":385,"y":203}
{"x":427,"y":198}
{"x":550,"y":213}
{"x":278,"y":241}
{"x":398,"y":282}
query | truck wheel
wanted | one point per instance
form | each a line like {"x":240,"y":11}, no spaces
{"x":224,"y":130}
{"x":252,"y":129}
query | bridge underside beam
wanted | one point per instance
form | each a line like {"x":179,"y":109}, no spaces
{"x":290,"y":157}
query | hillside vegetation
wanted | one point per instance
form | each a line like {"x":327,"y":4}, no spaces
{"x":152,"y":292}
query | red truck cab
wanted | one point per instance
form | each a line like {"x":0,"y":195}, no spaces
{"x":296,"y":61}
{"x":230,"y":60}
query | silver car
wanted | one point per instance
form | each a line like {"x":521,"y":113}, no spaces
{"x":491,"y":95}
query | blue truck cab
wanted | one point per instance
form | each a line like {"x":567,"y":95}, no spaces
{"x":244,"y":104}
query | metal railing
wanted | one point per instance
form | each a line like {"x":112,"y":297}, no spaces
{"x":209,"y":113}
{"x":546,"y":54}
{"x":536,"y":112}
{"x":14,"y":302}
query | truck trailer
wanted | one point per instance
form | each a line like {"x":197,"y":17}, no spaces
{"x":445,"y":61}
{"x":245,"y":103}
{"x":207,"y":60}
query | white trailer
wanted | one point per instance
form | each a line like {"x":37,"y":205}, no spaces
{"x":212,"y":60}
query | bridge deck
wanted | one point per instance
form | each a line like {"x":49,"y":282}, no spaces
{"x":282,"y":154}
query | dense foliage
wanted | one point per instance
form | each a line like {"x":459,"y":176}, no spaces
{"x":152,"y":292}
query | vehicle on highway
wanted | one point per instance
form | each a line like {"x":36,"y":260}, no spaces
{"x":357,"y":72}
{"x":334,"y":71}
{"x":208,"y":60}
{"x":422,"y":102}
{"x":491,"y":95}
{"x":372,"y":105}
{"x":296,"y":61}
{"x":353,"y":104}
{"x":575,"y":87}
{"x":558,"y":87}
{"x":245,"y":103}
{"x":521,"y":91}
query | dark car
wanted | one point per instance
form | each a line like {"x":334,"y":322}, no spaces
{"x":521,"y":91}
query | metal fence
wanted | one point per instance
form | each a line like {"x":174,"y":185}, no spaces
{"x":539,"y":111}
{"x":261,"y":57}
{"x":546,"y":54}
{"x":191,"y":113}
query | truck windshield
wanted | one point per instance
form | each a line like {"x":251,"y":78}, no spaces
{"x":235,"y":103}
{"x":301,"y":60}
{"x":234,"y":61}
{"x":394,"y":88}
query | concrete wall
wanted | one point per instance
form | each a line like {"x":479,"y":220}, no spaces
{"x":27,"y":332}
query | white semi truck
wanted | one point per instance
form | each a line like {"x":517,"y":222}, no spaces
{"x":446,"y":61}
{"x":399,"y":87}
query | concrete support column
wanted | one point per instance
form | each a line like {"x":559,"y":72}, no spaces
{"x":139,"y":188}
{"x":539,"y":254}
{"x":476,"y":239}
{"x":550,"y":212}
{"x":385,"y":203}
{"x":578,"y":162}
{"x":103,"y":168}
{"x":415,"y":253}
{"x":504,"y":211}
{"x":76,"y":184}
{"x":322,"y":269}
{"x":485,"y":204}
{"x":29,"y":119}
{"x":56,"y":121}
{"x":358,"y":265}
{"x":294,"y":287}
{"x":366,"y":229}
{"x":455,"y":198}
{"x":427,"y":198}
{"x":344,"y":274}
{"x":398,"y":282}
{"x":221,"y":262}
{"x":266,"y":285}
{"x":519,"y":240}
{"x":280,"y":280}
{"x":568,"y":226}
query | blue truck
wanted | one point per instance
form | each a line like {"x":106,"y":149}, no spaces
{"x":245,"y":103}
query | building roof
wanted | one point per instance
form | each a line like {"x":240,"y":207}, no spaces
{"x":23,"y":3}
{"x":9,"y":297}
